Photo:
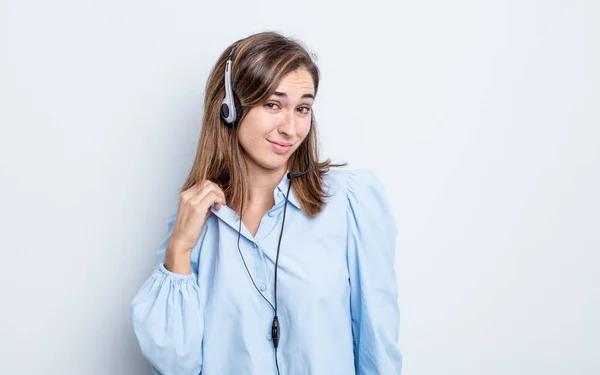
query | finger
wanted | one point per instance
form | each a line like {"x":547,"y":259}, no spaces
{"x":205,"y":183}
{"x":210,"y":199}
{"x":206,"y":198}
{"x":189,"y":193}
{"x":210,"y":188}
{"x":220,"y":192}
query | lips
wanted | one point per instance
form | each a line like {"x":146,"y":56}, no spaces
{"x":280,"y":148}
{"x":282,"y":144}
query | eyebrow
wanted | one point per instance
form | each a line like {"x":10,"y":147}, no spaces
{"x":284,"y":95}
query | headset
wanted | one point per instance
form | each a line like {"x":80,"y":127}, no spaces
{"x":231,"y":108}
{"x":231,"y":113}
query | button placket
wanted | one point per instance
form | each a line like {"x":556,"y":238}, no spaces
{"x":262,"y":275}
{"x":265,"y":231}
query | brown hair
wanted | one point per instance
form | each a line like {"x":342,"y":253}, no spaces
{"x":259,"y":63}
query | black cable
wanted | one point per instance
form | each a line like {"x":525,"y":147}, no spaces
{"x":281,"y":232}
{"x":240,"y":230}
{"x":276,"y":339}
{"x":275,"y":318}
{"x":275,"y":329}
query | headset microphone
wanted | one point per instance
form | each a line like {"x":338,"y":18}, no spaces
{"x":292,"y":175}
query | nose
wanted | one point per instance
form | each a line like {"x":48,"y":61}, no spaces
{"x":287,"y":123}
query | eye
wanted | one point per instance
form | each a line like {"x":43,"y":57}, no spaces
{"x":304,"y":110}
{"x":271,"y":106}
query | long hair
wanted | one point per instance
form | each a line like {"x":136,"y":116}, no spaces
{"x":260,"y":62}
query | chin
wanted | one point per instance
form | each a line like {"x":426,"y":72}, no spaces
{"x":274,"y":163}
{"x":273,"y":167}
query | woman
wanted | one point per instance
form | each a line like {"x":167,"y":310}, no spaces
{"x":231,"y":296}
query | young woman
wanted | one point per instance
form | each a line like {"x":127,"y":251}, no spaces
{"x":244,"y":296}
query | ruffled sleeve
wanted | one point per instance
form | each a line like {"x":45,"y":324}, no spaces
{"x":371,"y":244}
{"x":167,"y":316}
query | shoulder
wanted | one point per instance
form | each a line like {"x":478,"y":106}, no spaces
{"x":353,"y":182}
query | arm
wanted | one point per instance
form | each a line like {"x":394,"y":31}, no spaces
{"x":167,"y":316}
{"x":371,"y":244}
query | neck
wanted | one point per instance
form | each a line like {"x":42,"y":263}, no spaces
{"x":261,"y":184}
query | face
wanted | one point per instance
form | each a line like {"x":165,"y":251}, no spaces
{"x":272,"y":131}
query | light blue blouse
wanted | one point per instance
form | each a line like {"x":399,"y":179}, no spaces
{"x":337,"y":292}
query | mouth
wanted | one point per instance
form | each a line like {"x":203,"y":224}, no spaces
{"x":280,"y":147}
{"x":282,"y":144}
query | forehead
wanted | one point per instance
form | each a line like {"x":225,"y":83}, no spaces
{"x":297,"y":83}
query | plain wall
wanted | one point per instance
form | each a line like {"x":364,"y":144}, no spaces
{"x":480,"y":117}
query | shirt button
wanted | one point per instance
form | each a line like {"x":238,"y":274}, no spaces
{"x":263,"y":287}
{"x":272,"y":213}
{"x":269,"y":337}
{"x":255,"y":245}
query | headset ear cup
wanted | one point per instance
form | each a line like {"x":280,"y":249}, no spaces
{"x":224,"y":112}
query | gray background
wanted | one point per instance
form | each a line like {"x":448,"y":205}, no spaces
{"x":481,"y":118}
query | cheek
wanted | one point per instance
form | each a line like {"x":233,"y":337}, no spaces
{"x":256,"y":130}
{"x":251,"y":140}
{"x":305,"y":134}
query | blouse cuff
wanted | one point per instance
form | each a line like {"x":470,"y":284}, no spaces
{"x":176,"y":276}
